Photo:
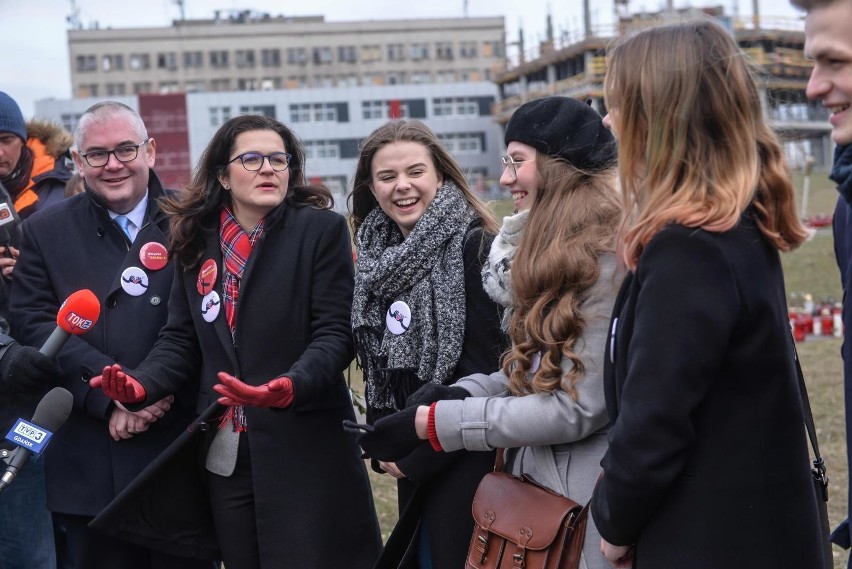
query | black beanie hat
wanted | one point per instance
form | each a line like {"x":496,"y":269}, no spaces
{"x":563,"y":128}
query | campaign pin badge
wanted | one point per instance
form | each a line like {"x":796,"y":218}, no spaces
{"x":210,"y":305}
{"x":134,"y":281}
{"x":398,"y":317}
{"x":153,"y":256}
{"x":207,"y":277}
{"x":29,"y":436}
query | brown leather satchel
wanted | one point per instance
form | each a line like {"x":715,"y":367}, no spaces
{"x":521,"y":524}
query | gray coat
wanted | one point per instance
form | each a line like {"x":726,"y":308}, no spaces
{"x":554,"y":439}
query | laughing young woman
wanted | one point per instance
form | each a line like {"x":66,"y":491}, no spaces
{"x":420,"y":315}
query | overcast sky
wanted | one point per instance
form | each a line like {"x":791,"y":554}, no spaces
{"x":33,"y":41}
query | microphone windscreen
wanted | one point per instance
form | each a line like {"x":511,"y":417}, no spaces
{"x":53,"y":409}
{"x":79,"y":312}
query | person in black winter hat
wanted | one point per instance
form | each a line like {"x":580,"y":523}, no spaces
{"x":563,"y":128}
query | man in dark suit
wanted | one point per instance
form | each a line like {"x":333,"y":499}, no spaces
{"x":111,"y":240}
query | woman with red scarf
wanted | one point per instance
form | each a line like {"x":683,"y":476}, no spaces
{"x":259,"y":314}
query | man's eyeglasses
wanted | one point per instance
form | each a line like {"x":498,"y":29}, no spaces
{"x":126,"y":153}
{"x":253,"y":161}
{"x":512,"y":164}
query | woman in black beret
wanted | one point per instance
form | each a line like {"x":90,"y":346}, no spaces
{"x":553,"y":267}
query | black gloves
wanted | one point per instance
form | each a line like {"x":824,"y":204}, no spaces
{"x":23,"y":368}
{"x":390,"y":438}
{"x":432,"y":392}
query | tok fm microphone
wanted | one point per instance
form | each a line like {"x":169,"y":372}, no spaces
{"x":77,"y":315}
{"x":32,"y":436}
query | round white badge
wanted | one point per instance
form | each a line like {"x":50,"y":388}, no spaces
{"x":398,"y":317}
{"x":210,"y":306}
{"x":134,"y":281}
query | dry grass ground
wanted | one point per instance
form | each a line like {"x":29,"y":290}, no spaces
{"x":809,"y":269}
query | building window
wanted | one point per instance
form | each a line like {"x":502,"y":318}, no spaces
{"x":418,"y":77}
{"x":169,"y":87}
{"x":347,"y":81}
{"x":371,"y":53}
{"x":90,"y":90}
{"x":219,"y":85}
{"x":112,"y":63}
{"x":245,"y":58}
{"x":270,"y":83}
{"x":219,"y":115}
{"x":262,"y":110}
{"x":142,"y":87}
{"x":444,"y":50}
{"x":297,"y":82}
{"x":324,"y":81}
{"x":322,"y":55}
{"x":464,"y":143}
{"x":167,"y":60}
{"x":492,"y":49}
{"x":115,"y":89}
{"x":270,"y":57}
{"x":320,"y":149}
{"x":467,"y":50}
{"x":419,"y":51}
{"x":296,"y":56}
{"x":396,"y":78}
{"x":140,"y":61}
{"x":346,"y":54}
{"x":194,"y":86}
{"x":384,"y":109}
{"x":248,"y":84}
{"x":396,"y":52}
{"x":69,"y":121}
{"x":313,"y":112}
{"x":86,"y":63}
{"x":373,"y":110}
{"x":219,"y":59}
{"x":455,"y":106}
{"x":445,"y":76}
{"x":193,"y":59}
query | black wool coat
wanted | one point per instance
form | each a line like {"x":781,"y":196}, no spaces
{"x":71,"y":246}
{"x":708,"y":462}
{"x":312,"y":495}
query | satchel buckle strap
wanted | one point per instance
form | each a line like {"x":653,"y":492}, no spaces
{"x":524,"y":536}
{"x":819,"y":474}
{"x":482,"y":537}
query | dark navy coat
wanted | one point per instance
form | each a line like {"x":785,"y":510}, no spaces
{"x":708,"y":462}
{"x":71,"y":246}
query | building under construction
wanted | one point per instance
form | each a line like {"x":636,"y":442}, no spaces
{"x":574,"y":65}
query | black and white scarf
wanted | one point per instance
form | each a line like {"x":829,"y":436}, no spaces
{"x":424,"y":270}
{"x":497,"y":269}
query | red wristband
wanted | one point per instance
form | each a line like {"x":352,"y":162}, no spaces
{"x":430,"y":429}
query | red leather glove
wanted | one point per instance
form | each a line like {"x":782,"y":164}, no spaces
{"x":276,"y":393}
{"x":119,"y":386}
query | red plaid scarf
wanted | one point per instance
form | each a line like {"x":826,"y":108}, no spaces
{"x":236,"y":247}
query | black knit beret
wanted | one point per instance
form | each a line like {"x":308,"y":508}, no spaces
{"x":564,"y":128}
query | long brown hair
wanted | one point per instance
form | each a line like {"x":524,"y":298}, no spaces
{"x":362,"y":201}
{"x":196,"y":209}
{"x":572,"y":222}
{"x":694,"y":147}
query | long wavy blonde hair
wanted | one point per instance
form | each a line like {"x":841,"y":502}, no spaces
{"x":573,"y":221}
{"x":694,"y":147}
